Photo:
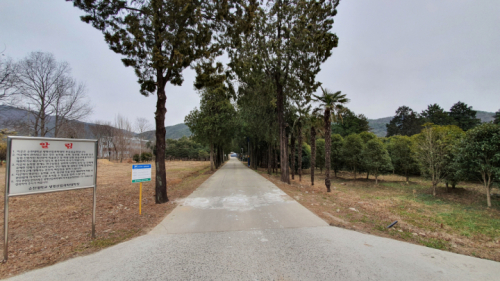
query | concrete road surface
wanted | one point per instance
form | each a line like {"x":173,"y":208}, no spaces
{"x":239,"y":226}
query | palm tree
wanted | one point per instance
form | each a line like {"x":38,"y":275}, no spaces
{"x":333,"y":106}
{"x":315,"y":124}
{"x":303,"y":111}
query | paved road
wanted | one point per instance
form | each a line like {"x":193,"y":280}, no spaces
{"x":239,"y":226}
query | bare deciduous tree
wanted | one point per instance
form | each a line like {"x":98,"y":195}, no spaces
{"x":102,"y":131}
{"x":6,"y":77}
{"x":122,"y":137}
{"x":44,"y":87}
{"x":142,"y":125}
{"x":71,"y":104}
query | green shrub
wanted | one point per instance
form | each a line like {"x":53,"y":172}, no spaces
{"x":146,"y":156}
{"x":136,"y":158}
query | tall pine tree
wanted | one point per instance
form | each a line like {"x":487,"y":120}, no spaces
{"x":159,"y":39}
{"x":436,"y":115}
{"x":406,"y":123}
{"x":464,"y":116}
{"x":290,"y":41}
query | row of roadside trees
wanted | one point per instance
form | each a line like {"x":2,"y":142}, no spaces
{"x":260,"y":101}
{"x":443,"y":154}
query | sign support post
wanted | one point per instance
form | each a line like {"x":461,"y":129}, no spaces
{"x":94,"y":203}
{"x":140,"y":197}
{"x":140,"y":174}
{"x":34,"y":168}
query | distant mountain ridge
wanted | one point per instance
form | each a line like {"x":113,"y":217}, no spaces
{"x":378,"y":125}
{"x":8,"y":113}
{"x":172,"y":132}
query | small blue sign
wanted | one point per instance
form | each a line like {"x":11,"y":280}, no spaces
{"x":145,"y":166}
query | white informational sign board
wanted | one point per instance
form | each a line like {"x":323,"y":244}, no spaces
{"x":141,"y":173}
{"x":39,"y":165}
{"x":44,"y":165}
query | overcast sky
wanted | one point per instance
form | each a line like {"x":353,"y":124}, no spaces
{"x":390,"y":53}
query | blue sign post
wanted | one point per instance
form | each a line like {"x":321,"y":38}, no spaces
{"x":140,"y":174}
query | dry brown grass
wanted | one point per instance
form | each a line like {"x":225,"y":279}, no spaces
{"x":48,"y":228}
{"x":455,"y":220}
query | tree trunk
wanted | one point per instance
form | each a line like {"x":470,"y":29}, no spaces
{"x":313,"y":153}
{"x":254,"y":156}
{"x":487,"y":184}
{"x":282,"y":134}
{"x":287,"y":166}
{"x":328,"y":144}
{"x":292,"y":160}
{"x":376,"y":179}
{"x":488,"y":196}
{"x":275,"y":161}
{"x":354,"y":173}
{"x":368,"y":175}
{"x":161,"y":175}
{"x":269,"y":158}
{"x":212,"y":157}
{"x":42,"y":119}
{"x":299,"y":162}
{"x":434,"y":188}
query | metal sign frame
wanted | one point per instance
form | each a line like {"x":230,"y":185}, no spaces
{"x":140,"y":167}
{"x":7,"y":184}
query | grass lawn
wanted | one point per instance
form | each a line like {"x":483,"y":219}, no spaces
{"x":456,"y":220}
{"x":48,"y":228}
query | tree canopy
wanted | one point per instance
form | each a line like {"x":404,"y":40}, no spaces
{"x":436,"y":115}
{"x":464,"y":116}
{"x":350,"y":123}
{"x":159,"y":39}
{"x":479,"y":155}
{"x":215,"y":122}
{"x":289,"y":42}
{"x":406,"y":122}
{"x":497,"y":117}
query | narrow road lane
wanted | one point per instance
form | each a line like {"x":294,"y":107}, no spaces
{"x":239,"y":226}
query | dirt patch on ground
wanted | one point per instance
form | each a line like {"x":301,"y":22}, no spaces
{"x":48,"y":228}
{"x":455,"y":220}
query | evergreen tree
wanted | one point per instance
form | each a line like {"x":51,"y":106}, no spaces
{"x":350,"y":123}
{"x":337,"y":162}
{"x":303,"y":115}
{"x":315,"y":124}
{"x":400,"y":151}
{"x":215,"y":122}
{"x":464,"y":116}
{"x":159,"y":39}
{"x":320,"y":154}
{"x":351,"y":152}
{"x":366,"y":137}
{"x":436,"y":115}
{"x":406,"y":123}
{"x":332,"y":105}
{"x":497,"y":117}
{"x":376,"y":159}
{"x":479,"y":155}
{"x":306,"y":157}
{"x":289,"y":42}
